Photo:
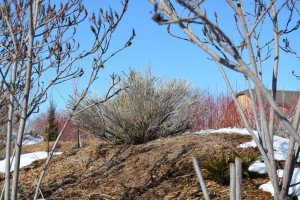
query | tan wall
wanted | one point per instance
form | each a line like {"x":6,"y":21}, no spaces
{"x":245,"y":102}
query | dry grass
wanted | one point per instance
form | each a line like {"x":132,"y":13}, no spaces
{"x":63,"y":146}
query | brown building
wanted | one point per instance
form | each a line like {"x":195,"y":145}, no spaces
{"x":285,"y":99}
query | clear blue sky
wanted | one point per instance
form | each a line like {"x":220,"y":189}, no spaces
{"x":170,"y":57}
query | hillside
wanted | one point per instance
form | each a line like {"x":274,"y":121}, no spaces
{"x":160,"y":169}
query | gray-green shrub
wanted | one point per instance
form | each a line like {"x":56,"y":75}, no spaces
{"x":148,"y":108}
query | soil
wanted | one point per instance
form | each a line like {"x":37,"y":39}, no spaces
{"x":161,"y":169}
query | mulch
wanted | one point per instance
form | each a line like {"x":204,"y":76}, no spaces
{"x":160,"y":169}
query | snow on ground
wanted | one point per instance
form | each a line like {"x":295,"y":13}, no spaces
{"x":281,"y":146}
{"x":30,"y":140}
{"x":295,"y":189}
{"x":258,"y":167}
{"x":241,"y":131}
{"x":27,"y":159}
{"x":280,"y":153}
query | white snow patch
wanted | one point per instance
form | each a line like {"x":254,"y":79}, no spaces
{"x":280,"y":153}
{"x":30,"y":140}
{"x":258,"y":167}
{"x":280,"y":146}
{"x":27,"y":159}
{"x":241,"y":131}
{"x":248,"y":144}
{"x":267,"y":187}
{"x":294,"y":189}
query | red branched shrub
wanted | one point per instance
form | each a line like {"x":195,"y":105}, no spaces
{"x":71,"y":131}
{"x":39,"y":123}
{"x":216,"y":111}
{"x":219,"y":111}
{"x":229,"y":115}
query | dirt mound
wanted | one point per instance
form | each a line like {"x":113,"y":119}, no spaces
{"x":160,"y":169}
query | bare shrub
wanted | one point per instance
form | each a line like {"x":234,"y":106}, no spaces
{"x":147,"y":109}
{"x":39,"y":124}
{"x":217,"y":111}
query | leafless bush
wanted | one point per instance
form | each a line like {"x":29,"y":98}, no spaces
{"x":147,"y":109}
{"x":217,"y":111}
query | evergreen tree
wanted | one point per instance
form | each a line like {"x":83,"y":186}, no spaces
{"x":51,"y":131}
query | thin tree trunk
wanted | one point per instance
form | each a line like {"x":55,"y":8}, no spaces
{"x":24,"y":104}
{"x":238,"y":178}
{"x":259,"y":145}
{"x":244,"y":118}
{"x":269,"y":146}
{"x":62,"y":131}
{"x":275,"y":68}
{"x":78,"y":138}
{"x":265,"y":130}
{"x":9,"y":132}
{"x":3,"y":189}
{"x":232,"y":181}
{"x":293,"y":153}
{"x":48,"y":140}
{"x":253,"y":103}
{"x":200,"y":178}
{"x":50,"y":156}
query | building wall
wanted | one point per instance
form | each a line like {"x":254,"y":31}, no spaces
{"x":245,"y":102}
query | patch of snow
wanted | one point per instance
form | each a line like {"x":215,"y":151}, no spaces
{"x":248,"y":144}
{"x":295,"y":180}
{"x":27,"y":159}
{"x":280,"y":146}
{"x":294,"y":189}
{"x":258,"y":167}
{"x":280,"y":153}
{"x":267,"y":187}
{"x":241,"y":131}
{"x":30,"y":140}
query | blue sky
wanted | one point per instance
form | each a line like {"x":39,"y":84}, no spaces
{"x":170,"y":57}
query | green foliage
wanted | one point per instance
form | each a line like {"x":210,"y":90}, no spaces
{"x":51,"y":130}
{"x":218,"y":167}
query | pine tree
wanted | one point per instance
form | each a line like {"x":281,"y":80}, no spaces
{"x":51,"y":131}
